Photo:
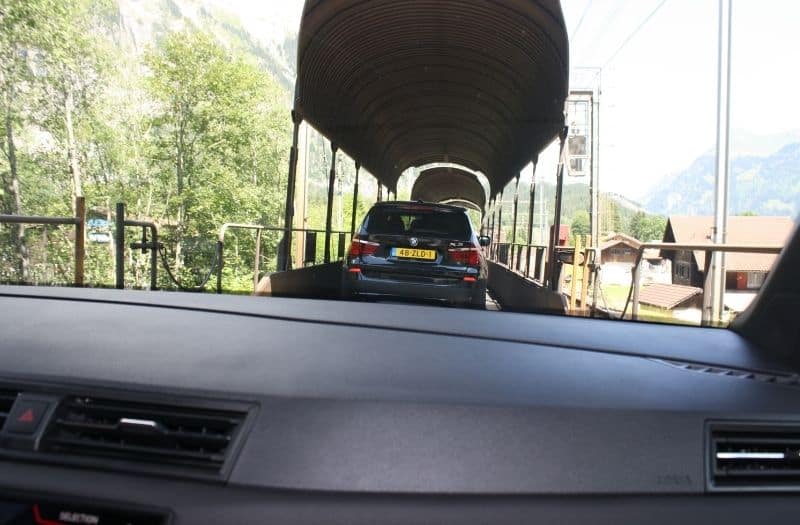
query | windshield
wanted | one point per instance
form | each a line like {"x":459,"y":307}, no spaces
{"x":624,"y":160}
{"x":410,"y":221}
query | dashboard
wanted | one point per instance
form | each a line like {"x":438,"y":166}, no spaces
{"x":167,"y":408}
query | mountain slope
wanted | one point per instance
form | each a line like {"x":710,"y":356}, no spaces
{"x":763,"y":185}
{"x":144,"y":22}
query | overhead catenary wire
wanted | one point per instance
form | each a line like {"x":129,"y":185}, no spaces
{"x":580,"y":21}
{"x":634,"y":33}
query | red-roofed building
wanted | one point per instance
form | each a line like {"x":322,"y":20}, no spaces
{"x":743,"y":270}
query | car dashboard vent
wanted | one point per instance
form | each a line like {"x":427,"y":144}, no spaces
{"x":755,"y":457}
{"x":7,"y":398}
{"x":165,"y":436}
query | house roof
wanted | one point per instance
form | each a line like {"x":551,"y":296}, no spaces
{"x":741,"y":230}
{"x":402,"y":83}
{"x":667,"y":296}
{"x":621,"y":238}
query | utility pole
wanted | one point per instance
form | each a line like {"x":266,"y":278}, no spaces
{"x":594,"y":175}
{"x":719,"y":235}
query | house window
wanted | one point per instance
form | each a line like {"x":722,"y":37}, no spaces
{"x":682,"y":270}
{"x":755,"y":279}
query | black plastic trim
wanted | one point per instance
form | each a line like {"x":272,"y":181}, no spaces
{"x":26,"y":496}
{"x":63,"y":390}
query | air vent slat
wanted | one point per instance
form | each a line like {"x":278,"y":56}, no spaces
{"x":763,"y":473}
{"x":126,"y":451}
{"x":762,"y":440}
{"x":754,"y":456}
{"x":168,"y":436}
{"x":114,"y":432}
{"x":132,"y":410}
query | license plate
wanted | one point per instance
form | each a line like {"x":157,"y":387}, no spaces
{"x":414,"y":253}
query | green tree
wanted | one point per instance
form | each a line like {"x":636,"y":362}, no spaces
{"x":580,"y":223}
{"x":647,"y":227}
{"x":219,"y":137}
{"x":48,"y":65}
{"x":21,"y":29}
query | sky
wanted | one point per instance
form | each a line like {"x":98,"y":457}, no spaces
{"x":658,"y":102}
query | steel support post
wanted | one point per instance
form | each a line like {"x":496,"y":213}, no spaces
{"x":722,"y":156}
{"x":355,"y":202}
{"x":80,"y":239}
{"x":531,"y":208}
{"x":284,"y":250}
{"x":556,"y":234}
{"x":119,"y":247}
{"x":514,"y":223}
{"x":499,"y":227}
{"x":329,"y":212}
{"x":636,"y":287}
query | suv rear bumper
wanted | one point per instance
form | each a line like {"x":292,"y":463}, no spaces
{"x":458,"y":292}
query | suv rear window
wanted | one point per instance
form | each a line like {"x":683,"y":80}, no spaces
{"x":420,"y":222}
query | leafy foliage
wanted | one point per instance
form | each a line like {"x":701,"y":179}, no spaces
{"x":580,"y":223}
{"x":190,"y":135}
{"x":647,"y":227}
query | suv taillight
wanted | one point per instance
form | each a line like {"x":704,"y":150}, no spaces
{"x":466,"y":256}
{"x":360,"y":248}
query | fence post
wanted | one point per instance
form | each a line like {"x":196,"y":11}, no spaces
{"x":636,"y":287}
{"x":119,"y":247}
{"x":80,"y":239}
{"x":257,"y":264}
{"x":585,"y":273}
{"x":220,"y":251}
{"x":154,"y":258}
{"x":573,"y":285}
{"x":340,"y":249}
{"x":706,"y":317}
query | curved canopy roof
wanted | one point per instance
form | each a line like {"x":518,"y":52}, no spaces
{"x":441,"y":184}
{"x":401,"y":83}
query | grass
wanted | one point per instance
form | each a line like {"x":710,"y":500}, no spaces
{"x":616,"y":295}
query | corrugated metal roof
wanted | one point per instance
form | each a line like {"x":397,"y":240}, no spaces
{"x":667,"y":296}
{"x":401,"y":83}
{"x":439,"y":184}
{"x":741,"y":230}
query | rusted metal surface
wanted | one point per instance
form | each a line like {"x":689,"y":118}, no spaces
{"x":402,"y":83}
{"x":440,"y":184}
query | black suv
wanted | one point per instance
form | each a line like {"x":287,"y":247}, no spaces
{"x":417,"y":250}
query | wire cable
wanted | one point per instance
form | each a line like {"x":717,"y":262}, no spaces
{"x":634,"y":33}
{"x":580,"y":21}
{"x":199,"y":288}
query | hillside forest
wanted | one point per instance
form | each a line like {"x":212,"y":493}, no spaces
{"x":190,"y":131}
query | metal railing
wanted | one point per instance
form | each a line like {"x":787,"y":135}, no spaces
{"x":708,"y":249}
{"x":79,"y":221}
{"x":309,"y":252}
{"x":119,"y":248}
{"x":521,"y":258}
